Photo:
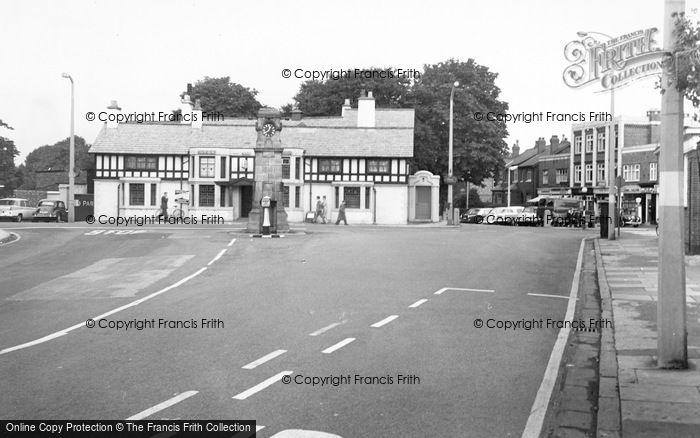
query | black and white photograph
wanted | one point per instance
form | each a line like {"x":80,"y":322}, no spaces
{"x":380,"y":219}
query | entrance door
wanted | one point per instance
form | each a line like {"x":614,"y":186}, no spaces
{"x":246,"y":200}
{"x":423,"y":203}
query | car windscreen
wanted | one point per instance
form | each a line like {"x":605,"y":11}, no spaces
{"x":46,"y":204}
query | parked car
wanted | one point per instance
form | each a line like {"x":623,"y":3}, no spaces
{"x":482,"y":214}
{"x":528,"y":217}
{"x":16,"y":209}
{"x":473,"y":215}
{"x":504,"y":215}
{"x":49,"y":210}
{"x":631,"y":219}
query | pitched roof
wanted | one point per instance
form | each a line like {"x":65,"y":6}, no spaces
{"x":327,"y":136}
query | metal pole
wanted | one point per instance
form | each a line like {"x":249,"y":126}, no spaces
{"x":611,"y":169}
{"x":449,"y":160}
{"x":508,"y":170}
{"x":672,"y":342}
{"x":71,"y":153}
{"x":467,"y":195}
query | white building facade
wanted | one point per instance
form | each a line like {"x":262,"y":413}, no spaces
{"x":360,"y":157}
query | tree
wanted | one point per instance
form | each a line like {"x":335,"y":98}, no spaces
{"x":220,"y":95}
{"x":55,"y":157}
{"x":325,"y":98}
{"x":9,"y":178}
{"x":478,"y":146}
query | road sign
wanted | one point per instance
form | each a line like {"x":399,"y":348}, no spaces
{"x":182,"y":201}
{"x":179,"y":192}
{"x":451,"y":180}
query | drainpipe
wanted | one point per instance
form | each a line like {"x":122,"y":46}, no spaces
{"x":374,"y":206}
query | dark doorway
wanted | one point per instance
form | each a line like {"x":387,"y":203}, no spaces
{"x":246,"y":200}
{"x":423,"y":203}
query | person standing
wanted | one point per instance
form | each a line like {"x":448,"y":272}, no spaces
{"x":164,"y":206}
{"x":324,"y":209}
{"x":319,"y":209}
{"x":341,"y":214}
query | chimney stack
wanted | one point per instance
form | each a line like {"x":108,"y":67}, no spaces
{"x":346,"y":107}
{"x":197,"y":119}
{"x":186,"y":110}
{"x":540,"y":145}
{"x":113,"y":111}
{"x":553,"y":144}
{"x":654,"y":115}
{"x":366,"y":111}
{"x":516,"y":149}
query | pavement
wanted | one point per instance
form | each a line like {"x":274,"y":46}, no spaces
{"x":636,"y":398}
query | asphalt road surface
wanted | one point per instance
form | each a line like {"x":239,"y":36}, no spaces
{"x":375,"y":327}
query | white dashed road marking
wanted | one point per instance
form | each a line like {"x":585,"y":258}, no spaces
{"x":384,"y":321}
{"x":262,"y":385}
{"x":418,"y":303}
{"x":159,"y":407}
{"x":218,"y":256}
{"x":263,"y":359}
{"x":337,"y":346}
{"x":231,"y":242}
{"x":444,"y":289}
{"x":326,"y":328}
{"x":551,"y":296}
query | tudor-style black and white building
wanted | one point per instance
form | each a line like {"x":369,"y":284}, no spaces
{"x":360,"y":157}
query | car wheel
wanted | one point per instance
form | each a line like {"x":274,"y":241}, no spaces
{"x":18,"y":218}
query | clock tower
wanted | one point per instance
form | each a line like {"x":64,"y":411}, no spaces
{"x":268,"y":169}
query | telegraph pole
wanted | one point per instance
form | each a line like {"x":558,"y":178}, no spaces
{"x":672,"y":343}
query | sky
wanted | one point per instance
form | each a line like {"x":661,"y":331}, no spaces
{"x":143,"y":54}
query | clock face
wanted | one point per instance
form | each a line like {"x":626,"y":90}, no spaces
{"x":268,"y":129}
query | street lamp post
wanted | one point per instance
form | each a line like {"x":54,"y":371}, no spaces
{"x":610,"y":156}
{"x":450,"y":214}
{"x":71,"y":154}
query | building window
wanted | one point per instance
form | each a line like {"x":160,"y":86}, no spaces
{"x":528,"y":178}
{"x":562,"y":176}
{"x":153,"y":194}
{"x":545,"y":177}
{"x":222,"y":196}
{"x":652,"y":171}
{"x":206,"y":167}
{"x":285,"y":196}
{"x":589,"y":172}
{"x":329,"y":166}
{"x":351,"y":195}
{"x":337,"y":196}
{"x":577,"y":144}
{"x":132,"y":162}
{"x":136,"y":194}
{"x":285,"y":168}
{"x":223,"y":168}
{"x":367,"y":198}
{"x":297,"y":168}
{"x":577,"y":173}
{"x":630,"y":172}
{"x":601,"y":172}
{"x":601,"y":141}
{"x":297,"y":195}
{"x":206,"y":195}
{"x":589,"y":142}
{"x":378,"y":166}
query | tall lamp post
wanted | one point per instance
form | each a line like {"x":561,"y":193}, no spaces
{"x":610,"y":157}
{"x":450,"y":183}
{"x":71,"y":154}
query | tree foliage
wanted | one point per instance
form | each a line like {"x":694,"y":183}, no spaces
{"x":220,"y":95}
{"x":10,"y":179}
{"x":55,"y":157}
{"x":478,"y":146}
{"x":687,"y":58}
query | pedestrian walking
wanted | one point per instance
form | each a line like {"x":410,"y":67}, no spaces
{"x":324,"y":210}
{"x":319,"y":210}
{"x":164,"y":206}
{"x":341,"y":214}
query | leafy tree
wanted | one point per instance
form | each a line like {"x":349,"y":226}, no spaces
{"x":220,"y":95}
{"x":478,"y":146}
{"x":55,"y":157}
{"x":316,"y":98}
{"x":8,"y":171}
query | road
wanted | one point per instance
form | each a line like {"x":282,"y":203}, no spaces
{"x":390,"y":310}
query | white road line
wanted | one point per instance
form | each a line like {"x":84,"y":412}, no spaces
{"x":384,"y":321}
{"x":218,"y":256}
{"x":231,"y":243}
{"x":337,"y":346}
{"x":439,"y":292}
{"x":111,"y":312}
{"x":262,"y":385}
{"x":418,"y":303}
{"x":159,"y":407}
{"x":551,"y":296}
{"x":258,"y":428}
{"x":533,"y":427}
{"x":263,"y":359}
{"x":326,"y":328}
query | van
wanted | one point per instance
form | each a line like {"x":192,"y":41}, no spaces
{"x":555,"y":211}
